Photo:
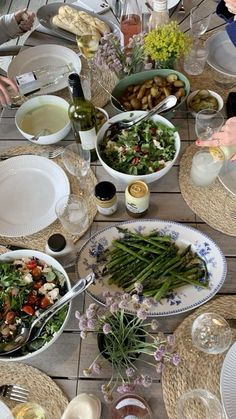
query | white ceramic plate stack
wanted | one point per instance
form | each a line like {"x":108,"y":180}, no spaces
{"x":30,"y":186}
{"x":5,"y":412}
{"x":228,"y":383}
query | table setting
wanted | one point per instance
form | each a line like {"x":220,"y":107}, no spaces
{"x":117,"y":250}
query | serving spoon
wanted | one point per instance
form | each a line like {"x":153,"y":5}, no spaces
{"x":27,"y":334}
{"x":118,"y":126}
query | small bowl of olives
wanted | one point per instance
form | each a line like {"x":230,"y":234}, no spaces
{"x":204,"y":99}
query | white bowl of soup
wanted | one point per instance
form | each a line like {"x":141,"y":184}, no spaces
{"x":46,"y":114}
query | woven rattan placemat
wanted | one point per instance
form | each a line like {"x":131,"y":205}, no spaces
{"x":196,"y":369}
{"x":208,"y":203}
{"x":42,"y":389}
{"x":38,"y":240}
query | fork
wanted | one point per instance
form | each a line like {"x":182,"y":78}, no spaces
{"x":182,"y":8}
{"x":12,"y":392}
{"x":52,"y":154}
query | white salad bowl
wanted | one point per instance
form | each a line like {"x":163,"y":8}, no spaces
{"x":126,"y":178}
{"x":39,"y":122}
{"x":19,"y":254}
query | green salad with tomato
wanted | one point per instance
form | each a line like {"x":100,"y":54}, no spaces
{"x":142,"y":149}
{"x":28,"y":286}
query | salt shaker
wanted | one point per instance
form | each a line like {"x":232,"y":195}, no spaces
{"x":62,"y":249}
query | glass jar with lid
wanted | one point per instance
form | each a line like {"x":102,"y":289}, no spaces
{"x":106,"y":199}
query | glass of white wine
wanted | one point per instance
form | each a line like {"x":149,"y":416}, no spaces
{"x":88,"y":45}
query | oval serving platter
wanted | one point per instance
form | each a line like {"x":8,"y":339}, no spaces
{"x":177,"y":301}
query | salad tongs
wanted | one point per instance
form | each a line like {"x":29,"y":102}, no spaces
{"x":115,"y":127}
{"x":30,"y":333}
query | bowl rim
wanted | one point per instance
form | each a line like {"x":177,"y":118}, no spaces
{"x":14,"y":254}
{"x":150,"y":74}
{"x":149,"y":175}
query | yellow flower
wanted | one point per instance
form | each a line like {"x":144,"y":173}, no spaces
{"x":167,"y":41}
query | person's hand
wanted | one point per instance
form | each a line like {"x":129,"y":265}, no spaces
{"x":225,"y":137}
{"x":25,"y":19}
{"x":231,"y":6}
{"x":6,"y":83}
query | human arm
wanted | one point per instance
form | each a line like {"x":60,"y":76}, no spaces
{"x":227,"y":10}
{"x":225,"y":137}
{"x":5,"y":84}
{"x":15,"y":24}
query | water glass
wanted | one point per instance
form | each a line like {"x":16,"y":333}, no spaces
{"x":208,"y":121}
{"x":195,"y":61}
{"x":211,"y":333}
{"x":205,"y":168}
{"x":72,"y":212}
{"x":77,"y":161}
{"x":199,"y":404}
{"x":199,"y":20}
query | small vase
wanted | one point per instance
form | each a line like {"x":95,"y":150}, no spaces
{"x":101,"y":339}
{"x":169,"y":63}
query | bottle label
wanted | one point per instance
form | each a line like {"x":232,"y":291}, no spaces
{"x":130,"y":402}
{"x":88,"y":138}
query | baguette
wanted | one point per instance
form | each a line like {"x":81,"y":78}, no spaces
{"x":91,"y":22}
{"x":98,"y":24}
{"x":77,"y":27}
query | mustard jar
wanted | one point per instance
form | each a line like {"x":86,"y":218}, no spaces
{"x":106,"y":199}
{"x":137,"y":197}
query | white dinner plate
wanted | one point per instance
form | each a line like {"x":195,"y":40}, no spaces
{"x":180,"y":300}
{"x":227,"y":176}
{"x":222,"y":53}
{"x":5,"y":412}
{"x":47,"y":12}
{"x":45,"y":55}
{"x":228,"y":383}
{"x":30,"y":186}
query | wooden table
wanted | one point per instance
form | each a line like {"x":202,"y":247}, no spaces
{"x":67,"y":358}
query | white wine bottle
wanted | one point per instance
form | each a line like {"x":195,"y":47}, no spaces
{"x":82,"y":115}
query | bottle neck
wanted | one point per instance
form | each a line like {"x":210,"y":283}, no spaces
{"x":75,"y":88}
{"x":160,"y":5}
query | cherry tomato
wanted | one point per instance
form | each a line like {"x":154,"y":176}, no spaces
{"x":137,"y":148}
{"x":31,"y":264}
{"x":38,"y":284}
{"x":44,"y":302}
{"x":10,"y":317}
{"x":28,"y":310}
{"x":32,"y":298}
{"x":36,"y":272}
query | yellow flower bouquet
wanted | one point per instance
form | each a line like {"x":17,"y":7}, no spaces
{"x":166,"y":43}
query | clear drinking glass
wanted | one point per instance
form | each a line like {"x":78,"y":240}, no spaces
{"x":199,"y":404}
{"x":195,"y":61}
{"x":88,"y":45}
{"x":199,"y":20}
{"x":205,"y":168}
{"x":77,"y":161}
{"x":211,"y":333}
{"x":208,"y":121}
{"x":72,"y":212}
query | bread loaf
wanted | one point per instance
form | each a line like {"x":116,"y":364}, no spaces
{"x":79,"y":22}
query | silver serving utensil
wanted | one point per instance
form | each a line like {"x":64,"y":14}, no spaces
{"x":43,"y":132}
{"x":118,"y":126}
{"x":27,"y":334}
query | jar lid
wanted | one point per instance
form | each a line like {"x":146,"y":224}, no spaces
{"x":105,"y":190}
{"x":56,"y":242}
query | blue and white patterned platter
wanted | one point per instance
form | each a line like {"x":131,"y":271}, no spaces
{"x":180,"y":300}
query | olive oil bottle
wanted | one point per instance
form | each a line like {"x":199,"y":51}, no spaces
{"x":82,"y":115}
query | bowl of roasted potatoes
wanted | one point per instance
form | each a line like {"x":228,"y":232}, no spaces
{"x":204,"y":99}
{"x":144,"y":90}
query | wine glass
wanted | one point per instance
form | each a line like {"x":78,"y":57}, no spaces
{"x":77,"y":161}
{"x":88,"y":44}
{"x":199,"y":403}
{"x":208,"y":121}
{"x":199,"y":20}
{"x":211,"y":333}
